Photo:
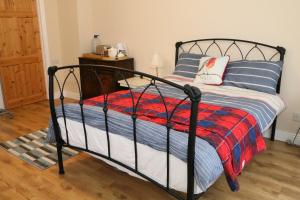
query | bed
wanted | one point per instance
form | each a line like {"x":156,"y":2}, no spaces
{"x":174,"y":132}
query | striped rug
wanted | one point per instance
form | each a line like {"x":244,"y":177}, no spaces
{"x":33,"y":149}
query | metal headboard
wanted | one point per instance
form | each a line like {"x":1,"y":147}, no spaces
{"x":223,"y":46}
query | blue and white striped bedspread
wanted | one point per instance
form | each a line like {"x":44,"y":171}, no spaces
{"x":208,"y":166}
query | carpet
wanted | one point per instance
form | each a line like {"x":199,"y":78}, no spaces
{"x":33,"y":149}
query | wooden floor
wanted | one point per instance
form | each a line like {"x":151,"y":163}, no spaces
{"x":274,"y":174}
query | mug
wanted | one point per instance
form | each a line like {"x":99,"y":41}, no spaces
{"x":112,"y":52}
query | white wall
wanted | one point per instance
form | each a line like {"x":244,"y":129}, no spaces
{"x":53,"y":31}
{"x":69,"y":30}
{"x":85,"y":25}
{"x":150,"y":26}
{"x":68,"y":27}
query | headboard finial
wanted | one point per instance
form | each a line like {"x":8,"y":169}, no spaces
{"x":52,"y":70}
{"x":178,"y":44}
{"x":282,"y":51}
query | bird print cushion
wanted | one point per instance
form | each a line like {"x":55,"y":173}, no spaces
{"x":211,"y":70}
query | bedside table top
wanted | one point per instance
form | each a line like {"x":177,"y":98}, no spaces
{"x":134,"y":82}
{"x":103,"y":58}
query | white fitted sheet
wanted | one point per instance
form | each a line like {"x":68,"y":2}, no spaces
{"x":151,"y":162}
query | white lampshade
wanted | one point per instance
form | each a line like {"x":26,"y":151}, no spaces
{"x":156,"y":61}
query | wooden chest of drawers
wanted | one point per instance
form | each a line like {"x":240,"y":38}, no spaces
{"x":89,"y":82}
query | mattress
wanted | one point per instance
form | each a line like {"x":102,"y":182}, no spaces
{"x":151,"y":162}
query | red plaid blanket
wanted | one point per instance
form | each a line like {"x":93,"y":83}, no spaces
{"x":234,"y":133}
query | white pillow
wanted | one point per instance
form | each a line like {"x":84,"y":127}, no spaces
{"x":211,"y":70}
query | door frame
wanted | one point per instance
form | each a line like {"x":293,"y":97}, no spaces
{"x":44,"y":40}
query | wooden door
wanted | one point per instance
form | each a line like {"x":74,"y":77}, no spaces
{"x":21,"y":66}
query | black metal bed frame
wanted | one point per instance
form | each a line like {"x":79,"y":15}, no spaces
{"x":193,"y":94}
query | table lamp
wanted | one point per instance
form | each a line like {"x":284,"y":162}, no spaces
{"x":156,"y":62}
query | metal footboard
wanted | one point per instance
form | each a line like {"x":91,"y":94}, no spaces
{"x":192,"y":94}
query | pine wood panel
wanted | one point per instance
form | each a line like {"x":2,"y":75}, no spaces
{"x":19,"y":79}
{"x":21,"y":67}
{"x":274,"y":174}
{"x":18,"y":5}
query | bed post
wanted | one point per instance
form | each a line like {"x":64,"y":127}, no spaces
{"x":59,"y":141}
{"x":273,"y":129}
{"x":281,"y":51}
{"x":195,"y":95}
{"x":177,"y":45}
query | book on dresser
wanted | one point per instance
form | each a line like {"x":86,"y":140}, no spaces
{"x":89,"y":83}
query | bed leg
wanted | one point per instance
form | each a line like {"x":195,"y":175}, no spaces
{"x":194,"y":196}
{"x":60,"y":160}
{"x":197,"y":196}
{"x":273,"y":129}
{"x":190,"y":197}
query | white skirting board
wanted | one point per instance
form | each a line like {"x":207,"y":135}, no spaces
{"x":280,"y":135}
{"x":283,"y":136}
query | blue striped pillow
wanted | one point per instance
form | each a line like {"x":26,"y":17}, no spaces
{"x":256,"y":75}
{"x":188,"y":65}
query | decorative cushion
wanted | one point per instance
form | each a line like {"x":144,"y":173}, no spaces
{"x":187,"y":65}
{"x":211,"y":70}
{"x":256,"y":75}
